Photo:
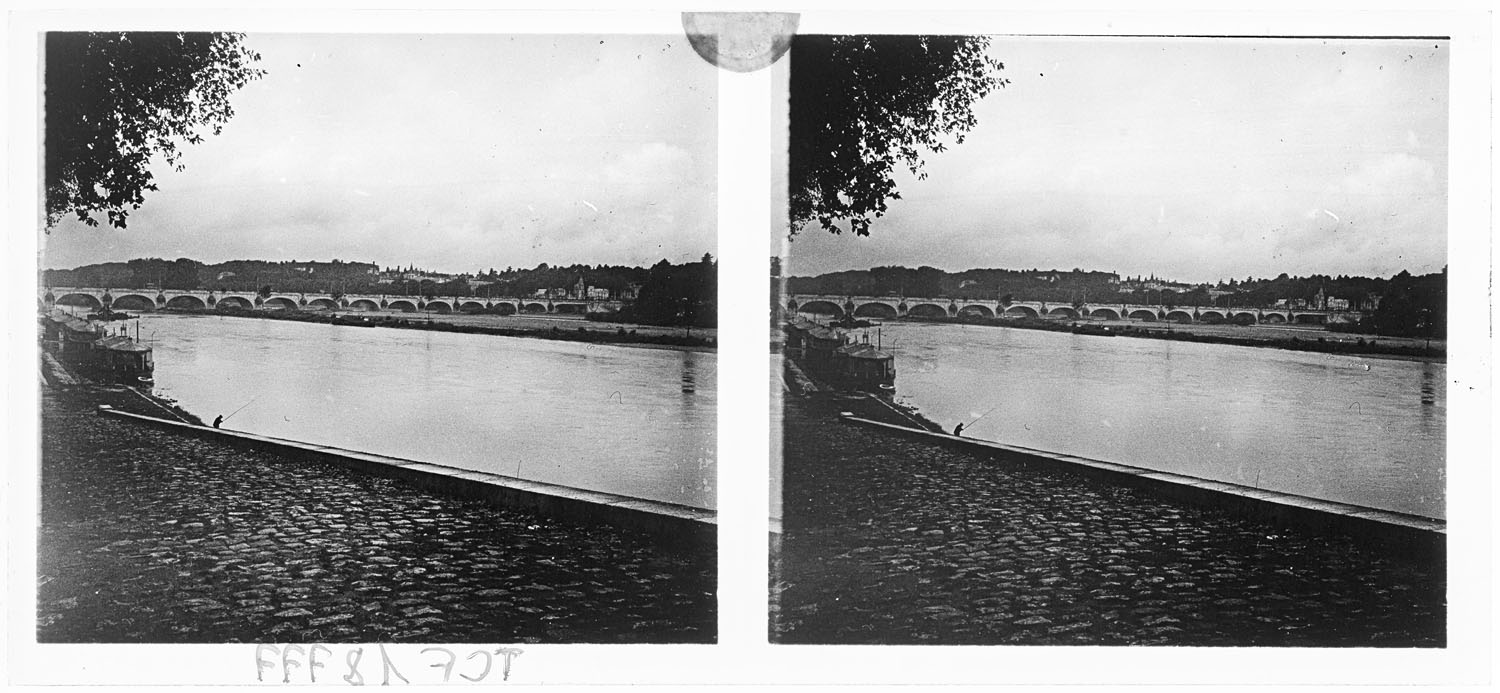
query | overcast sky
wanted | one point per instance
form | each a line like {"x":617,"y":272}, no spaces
{"x":1194,"y":159}
{"x":453,"y":153}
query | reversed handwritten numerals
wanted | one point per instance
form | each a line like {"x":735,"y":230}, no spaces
{"x":291,"y":659}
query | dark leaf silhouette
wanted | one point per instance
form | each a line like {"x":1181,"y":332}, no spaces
{"x":862,"y":105}
{"x":116,"y":100}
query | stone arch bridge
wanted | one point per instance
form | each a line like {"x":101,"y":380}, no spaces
{"x":154,"y":299}
{"x":894,"y":307}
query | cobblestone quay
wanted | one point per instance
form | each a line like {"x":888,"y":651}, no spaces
{"x":147,"y":536}
{"x":889,"y":540}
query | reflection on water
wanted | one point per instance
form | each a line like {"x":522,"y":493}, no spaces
{"x":638,"y":422}
{"x":688,"y":375}
{"x":1429,"y":386}
{"x":1362,"y":431}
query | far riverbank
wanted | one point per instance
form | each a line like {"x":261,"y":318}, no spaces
{"x":1291,"y":337}
{"x":560,"y":328}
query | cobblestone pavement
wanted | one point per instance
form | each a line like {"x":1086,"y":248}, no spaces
{"x":147,"y":536}
{"x":889,"y":540}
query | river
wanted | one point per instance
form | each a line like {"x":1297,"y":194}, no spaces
{"x":633,"y":421}
{"x":1346,"y":428}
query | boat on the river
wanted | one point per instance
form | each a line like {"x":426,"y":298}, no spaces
{"x":1095,"y":330}
{"x":851,"y":322}
{"x":356,"y":321}
{"x":107,"y":315}
{"x":831,"y":355}
{"x":89,"y":347}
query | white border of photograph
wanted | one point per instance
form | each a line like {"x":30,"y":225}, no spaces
{"x":745,"y":107}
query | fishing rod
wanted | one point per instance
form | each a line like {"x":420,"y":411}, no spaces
{"x":977,"y":418}
{"x":242,"y":407}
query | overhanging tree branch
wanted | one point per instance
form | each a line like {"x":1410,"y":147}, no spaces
{"x":115,"y":100}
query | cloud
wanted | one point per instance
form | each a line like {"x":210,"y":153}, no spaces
{"x":1190,"y":159}
{"x":446,"y":151}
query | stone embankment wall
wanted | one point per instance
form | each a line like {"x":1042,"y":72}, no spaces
{"x":667,"y":522}
{"x":1416,"y":537}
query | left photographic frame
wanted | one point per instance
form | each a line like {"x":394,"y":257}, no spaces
{"x":376,"y":338}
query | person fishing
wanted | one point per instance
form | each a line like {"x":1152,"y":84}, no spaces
{"x":222,"y":418}
{"x":958,"y":430}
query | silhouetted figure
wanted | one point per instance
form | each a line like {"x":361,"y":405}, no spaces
{"x":220,"y":419}
{"x":958,"y":430}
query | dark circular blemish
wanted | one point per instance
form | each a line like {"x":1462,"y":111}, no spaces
{"x":740,"y":41}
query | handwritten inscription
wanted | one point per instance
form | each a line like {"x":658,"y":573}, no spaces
{"x":362,"y":664}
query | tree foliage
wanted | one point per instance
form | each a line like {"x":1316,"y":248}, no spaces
{"x":114,"y":100}
{"x":862,"y":105}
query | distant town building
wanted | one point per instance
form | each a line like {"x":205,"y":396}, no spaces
{"x":1338,"y":304}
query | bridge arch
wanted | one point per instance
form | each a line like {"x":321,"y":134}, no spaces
{"x":1310,"y":319}
{"x":363,"y":304}
{"x":1211,"y":317}
{"x":570,"y":308}
{"x":977,"y":311}
{"x":1063,"y":312}
{"x":1179,"y":316}
{"x":1105,"y":314}
{"x":471,"y":307}
{"x":133,"y":302}
{"x":504,"y":308}
{"x":239,"y":302}
{"x":534,"y":308}
{"x":439,"y":306}
{"x":80,"y":300}
{"x":323,"y":304}
{"x":1243,"y":318}
{"x":187,"y":302}
{"x":927,"y":310}
{"x":279,"y":303}
{"x":1020,"y":311}
{"x":821,"y":308}
{"x":402,"y":305}
{"x":1143,"y":315}
{"x":1273,"y":319}
{"x":875,"y":309}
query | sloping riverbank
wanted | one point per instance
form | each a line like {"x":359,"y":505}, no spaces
{"x":891,"y":540}
{"x":147,"y":536}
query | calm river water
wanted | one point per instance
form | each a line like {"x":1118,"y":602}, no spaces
{"x":1357,"y":430}
{"x":638,"y":422}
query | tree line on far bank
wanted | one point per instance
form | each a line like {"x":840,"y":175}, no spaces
{"x":1403,"y":305}
{"x":665,"y":294}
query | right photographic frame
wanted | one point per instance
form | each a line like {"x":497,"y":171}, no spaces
{"x":1113,"y":340}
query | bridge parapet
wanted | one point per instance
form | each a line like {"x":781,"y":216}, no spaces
{"x":896,"y":307}
{"x":151,"y":299}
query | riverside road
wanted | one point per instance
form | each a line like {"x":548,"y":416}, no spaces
{"x":148,"y":536}
{"x":892,"y":541}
